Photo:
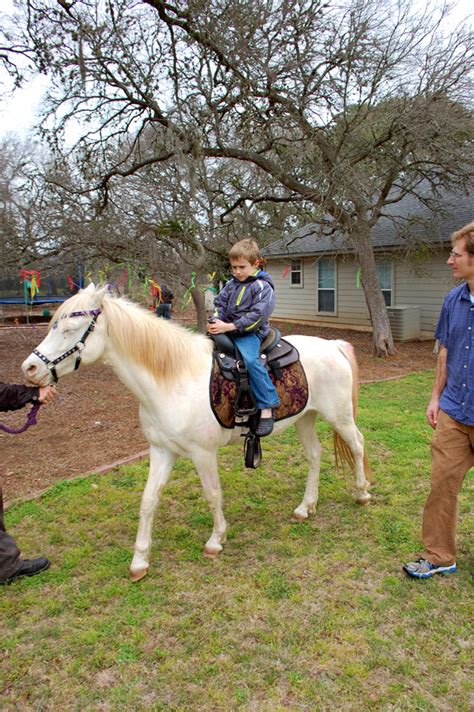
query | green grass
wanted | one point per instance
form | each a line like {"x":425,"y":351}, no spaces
{"x":310,"y":616}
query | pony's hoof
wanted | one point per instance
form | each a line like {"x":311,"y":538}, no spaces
{"x":138,"y":574}
{"x":298,"y":517}
{"x":301,"y":514}
{"x":211,"y":553}
{"x":364,"y":500}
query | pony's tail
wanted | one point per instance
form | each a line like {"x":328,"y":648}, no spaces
{"x":342,"y":451}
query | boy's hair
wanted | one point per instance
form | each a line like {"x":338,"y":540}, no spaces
{"x":248,"y":249}
{"x":466,"y":232}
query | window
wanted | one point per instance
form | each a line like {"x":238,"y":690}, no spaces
{"x":296,"y":279}
{"x":326,"y":285}
{"x":384,"y":274}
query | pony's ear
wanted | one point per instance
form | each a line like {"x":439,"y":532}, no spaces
{"x":90,"y":288}
{"x":100,"y":294}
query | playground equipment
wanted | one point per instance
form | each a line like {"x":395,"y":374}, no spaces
{"x":33,"y":288}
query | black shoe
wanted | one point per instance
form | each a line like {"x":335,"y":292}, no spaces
{"x":264,"y":427}
{"x":29,"y":567}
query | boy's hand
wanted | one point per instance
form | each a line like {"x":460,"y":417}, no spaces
{"x":220,"y":327}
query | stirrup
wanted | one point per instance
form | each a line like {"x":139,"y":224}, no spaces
{"x":252,"y":451}
{"x":244,"y":405}
{"x":245,"y":412}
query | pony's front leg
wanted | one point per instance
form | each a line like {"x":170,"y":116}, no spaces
{"x":206,"y":465}
{"x":161,"y":464}
{"x":306,"y":431}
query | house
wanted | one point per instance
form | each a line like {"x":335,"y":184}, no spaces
{"x":317,"y":279}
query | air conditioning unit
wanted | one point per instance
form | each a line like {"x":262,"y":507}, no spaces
{"x":405,"y":322}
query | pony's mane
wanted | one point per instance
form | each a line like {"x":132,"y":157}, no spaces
{"x":166,"y":349}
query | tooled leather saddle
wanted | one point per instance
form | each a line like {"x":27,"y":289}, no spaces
{"x":231,"y":396}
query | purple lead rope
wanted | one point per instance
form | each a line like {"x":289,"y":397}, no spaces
{"x":30,"y":420}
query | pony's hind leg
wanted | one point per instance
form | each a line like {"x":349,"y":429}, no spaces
{"x":306,"y":431}
{"x":354,"y":440}
{"x":206,"y":465}
{"x":161,"y":464}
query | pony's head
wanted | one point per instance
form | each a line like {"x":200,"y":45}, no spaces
{"x":93,"y":322}
{"x":75,"y":335}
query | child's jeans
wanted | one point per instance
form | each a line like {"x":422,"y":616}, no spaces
{"x":262,"y":388}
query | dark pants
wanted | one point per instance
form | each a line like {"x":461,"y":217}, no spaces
{"x":10,"y":560}
{"x":164,"y":310}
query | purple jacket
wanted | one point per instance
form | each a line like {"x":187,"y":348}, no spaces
{"x":247,"y":304}
{"x":14,"y":397}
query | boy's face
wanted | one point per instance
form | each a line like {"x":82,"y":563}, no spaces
{"x":242,"y":268}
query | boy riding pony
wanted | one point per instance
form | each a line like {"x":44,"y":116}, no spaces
{"x":242,"y":309}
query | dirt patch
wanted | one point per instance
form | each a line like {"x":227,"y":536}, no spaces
{"x":94,"y":419}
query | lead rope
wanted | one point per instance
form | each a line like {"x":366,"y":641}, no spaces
{"x":30,"y":420}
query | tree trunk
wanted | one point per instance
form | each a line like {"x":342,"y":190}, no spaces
{"x":382,"y":332}
{"x":201,"y":314}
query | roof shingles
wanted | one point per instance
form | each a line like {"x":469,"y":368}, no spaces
{"x":405,"y":221}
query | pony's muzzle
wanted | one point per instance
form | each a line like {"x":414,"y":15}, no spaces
{"x":36,"y":374}
{"x":30,"y":371}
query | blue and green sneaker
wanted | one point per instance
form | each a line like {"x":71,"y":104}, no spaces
{"x":421,"y":568}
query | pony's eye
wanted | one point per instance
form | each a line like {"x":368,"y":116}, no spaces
{"x":67,"y":329}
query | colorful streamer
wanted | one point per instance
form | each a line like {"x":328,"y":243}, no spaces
{"x":187,"y":295}
{"x":31,"y":284}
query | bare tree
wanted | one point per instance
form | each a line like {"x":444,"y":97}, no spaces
{"x":343,"y":108}
{"x":21,"y":198}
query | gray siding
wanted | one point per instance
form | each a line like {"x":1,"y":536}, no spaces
{"x":425,"y":288}
{"x":300,"y":303}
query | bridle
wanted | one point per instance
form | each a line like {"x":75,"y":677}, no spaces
{"x":78,"y":346}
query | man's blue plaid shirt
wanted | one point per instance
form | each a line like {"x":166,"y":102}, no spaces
{"x":455,"y":331}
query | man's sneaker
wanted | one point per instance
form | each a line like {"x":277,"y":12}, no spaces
{"x":29,"y":567}
{"x":425,"y":569}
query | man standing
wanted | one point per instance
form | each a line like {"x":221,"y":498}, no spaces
{"x":451,"y":413}
{"x":13,"y":397}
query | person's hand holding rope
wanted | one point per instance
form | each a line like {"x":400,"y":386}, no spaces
{"x":46,"y":394}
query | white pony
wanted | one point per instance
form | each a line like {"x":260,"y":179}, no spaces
{"x":168,"y":368}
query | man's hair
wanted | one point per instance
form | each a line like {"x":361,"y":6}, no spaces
{"x":248,"y":249}
{"x":467,"y":233}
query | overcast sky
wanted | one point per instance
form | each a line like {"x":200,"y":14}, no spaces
{"x":19,"y":114}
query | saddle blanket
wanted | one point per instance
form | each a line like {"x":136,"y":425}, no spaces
{"x":292,"y":389}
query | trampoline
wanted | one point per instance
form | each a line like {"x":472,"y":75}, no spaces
{"x":37,"y":301}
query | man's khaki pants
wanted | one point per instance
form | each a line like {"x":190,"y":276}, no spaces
{"x":452,"y":454}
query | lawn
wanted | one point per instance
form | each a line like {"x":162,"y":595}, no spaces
{"x":310,"y":616}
